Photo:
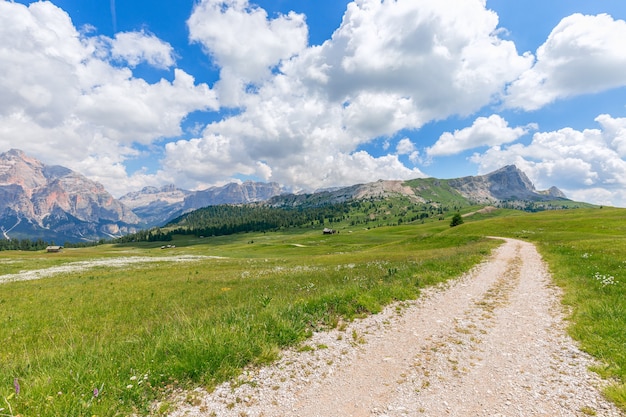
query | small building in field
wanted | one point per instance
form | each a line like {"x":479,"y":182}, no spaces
{"x":54,"y":249}
{"x":328,"y":231}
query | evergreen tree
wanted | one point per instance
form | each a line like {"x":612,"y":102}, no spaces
{"x":457,"y":219}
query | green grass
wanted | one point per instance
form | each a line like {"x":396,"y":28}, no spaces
{"x":437,"y":190}
{"x":135,"y":334}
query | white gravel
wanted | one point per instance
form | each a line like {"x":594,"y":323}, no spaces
{"x":96,"y":263}
{"x":492,"y":343}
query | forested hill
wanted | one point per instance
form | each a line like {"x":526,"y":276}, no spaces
{"x":230,"y":219}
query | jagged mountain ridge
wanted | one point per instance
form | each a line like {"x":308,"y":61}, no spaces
{"x":246,"y":192}
{"x":55,"y":203}
{"x":506,"y":184}
{"x":155,"y":206}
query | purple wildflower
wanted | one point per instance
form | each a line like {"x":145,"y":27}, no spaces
{"x":16,"y":385}
{"x":95,"y":392}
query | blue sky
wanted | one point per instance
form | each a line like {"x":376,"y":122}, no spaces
{"x":316,"y":93}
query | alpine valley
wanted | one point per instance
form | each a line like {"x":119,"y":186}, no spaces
{"x":56,"y":204}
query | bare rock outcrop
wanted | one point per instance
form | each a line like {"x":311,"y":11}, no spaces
{"x":506,"y":184}
{"x":41,"y":200}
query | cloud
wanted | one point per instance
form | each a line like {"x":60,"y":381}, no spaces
{"x":244,"y":42}
{"x":614,"y":132}
{"x":137,"y":47}
{"x":429,"y":59}
{"x":390,"y":66}
{"x":406,"y":147}
{"x":586,"y":164}
{"x":66,"y":99}
{"x":129,"y":110}
{"x":302,"y":115}
{"x":40,"y":51}
{"x":583,"y":54}
{"x":485,"y":131}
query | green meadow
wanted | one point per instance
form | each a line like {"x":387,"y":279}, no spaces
{"x":111,"y":341}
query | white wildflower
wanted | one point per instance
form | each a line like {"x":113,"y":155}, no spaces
{"x":605,"y":280}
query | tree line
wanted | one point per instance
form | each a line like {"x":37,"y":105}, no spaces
{"x":23,"y":244}
{"x":230,"y":219}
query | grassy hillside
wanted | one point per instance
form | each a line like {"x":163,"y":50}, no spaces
{"x":136,"y":333}
{"x":433,"y":189}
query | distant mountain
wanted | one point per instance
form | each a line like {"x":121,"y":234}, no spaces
{"x":56,"y":203}
{"x":508,"y":184}
{"x":155,"y":206}
{"x":233,"y":193}
{"x":378,"y":203}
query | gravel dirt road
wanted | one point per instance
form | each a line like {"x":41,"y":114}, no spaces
{"x":492,"y":343}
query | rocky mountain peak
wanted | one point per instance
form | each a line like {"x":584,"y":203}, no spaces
{"x":168,"y":193}
{"x":505,"y":184}
{"x":555,"y":192}
{"x":40,"y":197}
{"x":233,"y":193}
{"x":19,"y":169}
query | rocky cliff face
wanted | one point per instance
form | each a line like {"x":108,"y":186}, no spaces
{"x":506,"y":184}
{"x":53,"y":201}
{"x":233,"y":193}
{"x":155,"y":206}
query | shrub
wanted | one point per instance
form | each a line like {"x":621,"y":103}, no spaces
{"x":457,"y":219}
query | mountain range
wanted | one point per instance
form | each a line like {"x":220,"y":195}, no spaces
{"x":54,"y":203}
{"x":155,"y":206}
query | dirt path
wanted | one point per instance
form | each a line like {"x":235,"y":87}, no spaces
{"x":490,"y":344}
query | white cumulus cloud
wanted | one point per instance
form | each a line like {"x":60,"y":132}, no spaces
{"x":583,"y":54}
{"x":305,"y":115}
{"x":390,"y":66}
{"x":244,"y":42}
{"x":137,"y":47}
{"x":406,"y":147}
{"x":485,"y":131}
